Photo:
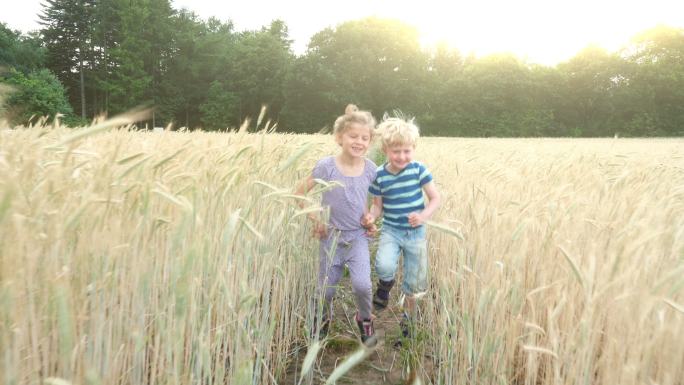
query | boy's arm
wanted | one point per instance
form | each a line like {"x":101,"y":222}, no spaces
{"x":417,"y":219}
{"x":435,"y":200}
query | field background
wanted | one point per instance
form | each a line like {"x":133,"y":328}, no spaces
{"x":138,"y":258}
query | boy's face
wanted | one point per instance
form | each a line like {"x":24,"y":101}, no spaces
{"x":399,"y":156}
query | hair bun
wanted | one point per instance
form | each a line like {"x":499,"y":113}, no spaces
{"x":351,"y":108}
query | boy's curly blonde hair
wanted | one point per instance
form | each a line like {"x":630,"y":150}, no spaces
{"x":398,"y":130}
{"x":352,"y":115}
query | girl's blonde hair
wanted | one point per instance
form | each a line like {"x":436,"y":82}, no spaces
{"x":352,"y":115}
{"x":398,"y":131}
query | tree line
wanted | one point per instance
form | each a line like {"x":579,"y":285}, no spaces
{"x":105,"y":57}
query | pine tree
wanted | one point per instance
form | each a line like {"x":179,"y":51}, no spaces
{"x":68,"y":34}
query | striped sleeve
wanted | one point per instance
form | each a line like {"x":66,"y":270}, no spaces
{"x":374,"y":188}
{"x":425,"y":175}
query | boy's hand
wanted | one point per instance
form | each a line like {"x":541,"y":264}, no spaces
{"x":416,"y":219}
{"x":372,"y":230}
{"x":368,"y":221}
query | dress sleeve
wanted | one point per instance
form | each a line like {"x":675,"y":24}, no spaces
{"x":374,"y":187}
{"x":321,"y":170}
{"x":371,"y":170}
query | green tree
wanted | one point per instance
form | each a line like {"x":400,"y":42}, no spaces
{"x":495,"y":95}
{"x":20,"y":51}
{"x":201,"y":54}
{"x":652,"y":103}
{"x":140,"y":59}
{"x":375,"y":63}
{"x":546,"y":95}
{"x":181,"y":88}
{"x":443,"y":81}
{"x":113,"y":55}
{"x":591,"y":80}
{"x":260,"y":62}
{"x":106,"y":37}
{"x":310,"y":100}
{"x":38,"y":93}
{"x":220,"y":109}
{"x":68,"y":36}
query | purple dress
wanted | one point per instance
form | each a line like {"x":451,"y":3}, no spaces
{"x":346,"y":242}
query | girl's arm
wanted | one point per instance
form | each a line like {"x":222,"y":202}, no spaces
{"x":368,"y":219}
{"x":417,"y":219}
{"x":304,"y":188}
{"x":319,"y":228}
{"x":374,"y":212}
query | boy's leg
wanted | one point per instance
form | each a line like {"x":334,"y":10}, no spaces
{"x":386,"y":261}
{"x":410,"y":306}
{"x":415,"y":277}
{"x":415,"y":265}
{"x":381,"y":297}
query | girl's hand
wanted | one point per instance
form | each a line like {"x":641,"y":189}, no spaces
{"x":368,"y":220}
{"x":372,"y":230}
{"x":320,"y":230}
{"x":416,"y":219}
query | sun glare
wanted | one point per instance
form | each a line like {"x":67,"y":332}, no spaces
{"x":545,"y":32}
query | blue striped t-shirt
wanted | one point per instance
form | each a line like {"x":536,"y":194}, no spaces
{"x":401,"y":193}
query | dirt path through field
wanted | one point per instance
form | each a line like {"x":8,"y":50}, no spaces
{"x":386,"y":364}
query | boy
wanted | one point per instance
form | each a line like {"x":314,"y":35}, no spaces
{"x":398,"y":194}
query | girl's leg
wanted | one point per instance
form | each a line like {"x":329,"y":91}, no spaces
{"x":329,"y":273}
{"x":358,"y":261}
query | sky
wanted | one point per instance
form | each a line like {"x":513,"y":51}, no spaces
{"x":539,"y":31}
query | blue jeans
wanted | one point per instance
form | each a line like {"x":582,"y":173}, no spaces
{"x":412,"y":244}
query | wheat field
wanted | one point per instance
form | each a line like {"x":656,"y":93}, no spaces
{"x":130,"y":257}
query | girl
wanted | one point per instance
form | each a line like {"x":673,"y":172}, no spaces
{"x":343,"y":239}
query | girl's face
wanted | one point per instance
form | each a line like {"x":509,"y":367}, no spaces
{"x":355,"y":140}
